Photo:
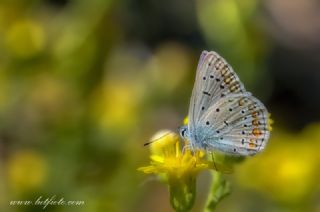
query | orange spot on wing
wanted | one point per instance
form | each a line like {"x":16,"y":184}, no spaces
{"x":255,"y":122}
{"x":254,"y":114}
{"x":233,"y":88}
{"x":251,"y":107}
{"x":252,"y":145}
{"x":227,"y":80}
{"x":256,"y":132}
{"x":224,"y":72}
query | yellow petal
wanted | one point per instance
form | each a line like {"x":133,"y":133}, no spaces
{"x":157,"y":158}
{"x":148,"y":169}
{"x":186,"y":120}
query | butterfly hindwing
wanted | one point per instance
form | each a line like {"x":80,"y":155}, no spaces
{"x":236,"y":124}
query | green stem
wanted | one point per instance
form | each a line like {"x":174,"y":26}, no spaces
{"x":220,"y":188}
{"x":182,"y":193}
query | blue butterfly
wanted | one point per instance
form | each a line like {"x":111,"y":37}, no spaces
{"x":222,"y":114}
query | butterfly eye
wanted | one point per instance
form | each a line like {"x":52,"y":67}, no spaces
{"x":183,"y":133}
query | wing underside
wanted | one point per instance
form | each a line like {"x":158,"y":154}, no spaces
{"x":237,"y":124}
{"x":215,"y":79}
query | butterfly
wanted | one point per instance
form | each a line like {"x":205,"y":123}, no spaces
{"x":222,"y":115}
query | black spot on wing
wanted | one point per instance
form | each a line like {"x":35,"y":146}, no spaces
{"x":206,"y":93}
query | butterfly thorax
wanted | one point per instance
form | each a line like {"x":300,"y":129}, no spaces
{"x":197,"y":140}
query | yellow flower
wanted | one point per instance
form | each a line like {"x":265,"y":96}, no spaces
{"x":168,"y":157}
{"x":178,"y":166}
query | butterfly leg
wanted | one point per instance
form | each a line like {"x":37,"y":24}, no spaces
{"x":214,"y":164}
{"x":186,"y":147}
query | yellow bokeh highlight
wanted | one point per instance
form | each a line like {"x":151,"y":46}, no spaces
{"x":25,"y":38}
{"x":115,"y":105}
{"x":169,"y":65}
{"x":26,"y":170}
{"x":287,"y":171}
{"x":49,"y":95}
{"x":220,"y":20}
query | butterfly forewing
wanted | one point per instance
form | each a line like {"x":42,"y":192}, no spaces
{"x":215,"y":79}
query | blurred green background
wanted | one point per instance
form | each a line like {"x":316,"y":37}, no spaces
{"x":83,"y":84}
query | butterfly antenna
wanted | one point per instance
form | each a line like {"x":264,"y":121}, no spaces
{"x":152,"y":141}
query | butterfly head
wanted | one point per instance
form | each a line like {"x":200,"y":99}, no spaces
{"x":183,"y":131}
